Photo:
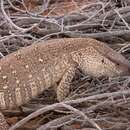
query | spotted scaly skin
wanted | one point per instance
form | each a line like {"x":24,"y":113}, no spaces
{"x":29,"y":71}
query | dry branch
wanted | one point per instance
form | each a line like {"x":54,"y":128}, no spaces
{"x":104,"y":100}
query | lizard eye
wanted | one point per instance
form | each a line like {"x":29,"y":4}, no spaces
{"x":102,"y":60}
{"x":118,"y":64}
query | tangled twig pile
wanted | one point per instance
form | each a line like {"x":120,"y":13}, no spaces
{"x":105,"y":104}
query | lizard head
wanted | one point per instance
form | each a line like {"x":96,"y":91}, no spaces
{"x":101,"y":60}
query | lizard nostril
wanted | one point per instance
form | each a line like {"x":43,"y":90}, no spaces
{"x":102,"y":60}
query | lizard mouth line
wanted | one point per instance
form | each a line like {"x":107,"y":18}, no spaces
{"x":125,"y":64}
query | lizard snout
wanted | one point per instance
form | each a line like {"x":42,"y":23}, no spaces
{"x":126,"y":71}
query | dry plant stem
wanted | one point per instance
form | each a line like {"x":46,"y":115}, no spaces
{"x":99,"y":96}
{"x":81,"y":114}
{"x":45,"y":6}
{"x":17,"y":9}
{"x":8,"y":19}
{"x":23,"y":11}
{"x":5,"y":38}
{"x":11,"y":22}
{"x":25,"y":6}
{"x":52,"y":107}
{"x":38,"y":13}
{"x":57,"y":105}
{"x":93,"y":35}
{"x":86,"y":16}
{"x":124,"y":48}
{"x":47,"y":3}
{"x":98,"y":35}
{"x":82,"y":26}
{"x":1,"y":55}
{"x":95,"y":14}
{"x":122,"y":19}
{"x":76,"y":5}
{"x":27,"y":11}
{"x":47,"y":37}
{"x":92,"y":4}
{"x":59,"y":122}
{"x":113,"y":24}
{"x":111,"y":13}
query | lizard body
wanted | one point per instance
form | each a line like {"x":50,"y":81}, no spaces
{"x":29,"y":71}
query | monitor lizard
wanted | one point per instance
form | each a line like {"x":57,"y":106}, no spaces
{"x":29,"y":71}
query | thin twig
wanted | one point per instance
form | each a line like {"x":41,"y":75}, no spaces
{"x":11,"y":22}
{"x":58,"y":105}
{"x":122,"y":18}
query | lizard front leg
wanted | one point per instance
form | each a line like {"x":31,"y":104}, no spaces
{"x":3,"y":123}
{"x":63,"y":88}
